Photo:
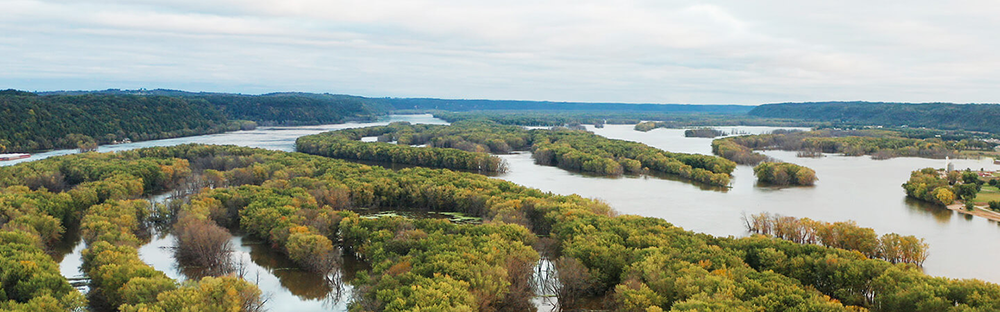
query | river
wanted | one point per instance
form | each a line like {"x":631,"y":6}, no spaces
{"x":849,"y":188}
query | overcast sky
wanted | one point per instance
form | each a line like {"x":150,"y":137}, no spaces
{"x":743,"y":52}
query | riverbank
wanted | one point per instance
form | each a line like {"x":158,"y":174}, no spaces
{"x":977,"y":211}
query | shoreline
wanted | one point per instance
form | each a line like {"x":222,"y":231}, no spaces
{"x":977,"y":211}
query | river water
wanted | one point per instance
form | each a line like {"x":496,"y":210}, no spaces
{"x":849,"y":188}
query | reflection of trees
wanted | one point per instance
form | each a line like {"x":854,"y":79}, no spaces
{"x":301,"y":283}
{"x":65,"y":246}
{"x":941,"y":215}
{"x":545,"y":278}
{"x":545,"y":281}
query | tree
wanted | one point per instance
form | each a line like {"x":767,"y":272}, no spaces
{"x":575,"y":282}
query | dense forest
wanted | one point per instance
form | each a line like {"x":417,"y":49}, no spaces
{"x":975,"y":117}
{"x":302,"y":205}
{"x":568,"y":149}
{"x":33,"y":122}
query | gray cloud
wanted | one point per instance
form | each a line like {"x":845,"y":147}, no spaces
{"x":623,"y":51}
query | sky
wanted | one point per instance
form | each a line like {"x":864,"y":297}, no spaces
{"x":698,"y":52}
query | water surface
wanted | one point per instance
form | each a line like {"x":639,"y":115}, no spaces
{"x":849,"y":188}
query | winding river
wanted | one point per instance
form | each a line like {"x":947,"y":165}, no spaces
{"x":850,"y":188}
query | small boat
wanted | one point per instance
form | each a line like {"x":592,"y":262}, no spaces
{"x":6,"y":157}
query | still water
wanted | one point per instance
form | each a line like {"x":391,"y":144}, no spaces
{"x":849,"y":188}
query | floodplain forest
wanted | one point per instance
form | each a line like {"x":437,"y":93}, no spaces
{"x":302,"y":205}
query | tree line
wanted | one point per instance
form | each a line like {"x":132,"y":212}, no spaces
{"x":676,"y":122}
{"x":890,"y":247}
{"x":973,"y":117}
{"x":546,"y":118}
{"x":510,"y":105}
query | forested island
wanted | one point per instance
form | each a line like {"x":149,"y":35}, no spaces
{"x":565,"y":148}
{"x":464,"y":146}
{"x":703,"y":133}
{"x":302,"y":205}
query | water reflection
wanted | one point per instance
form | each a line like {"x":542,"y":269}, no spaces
{"x":288,"y":287}
{"x":941,"y":214}
{"x":545,"y":281}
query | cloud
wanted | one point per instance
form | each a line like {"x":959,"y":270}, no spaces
{"x":620,"y":51}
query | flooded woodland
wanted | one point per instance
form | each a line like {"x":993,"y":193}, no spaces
{"x":849,"y":188}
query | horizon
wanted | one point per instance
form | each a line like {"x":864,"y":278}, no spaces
{"x":488,"y":99}
{"x":634,"y":51}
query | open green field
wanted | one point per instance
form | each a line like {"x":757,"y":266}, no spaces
{"x":988,"y":193}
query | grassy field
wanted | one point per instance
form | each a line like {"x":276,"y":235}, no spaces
{"x":987,"y":194}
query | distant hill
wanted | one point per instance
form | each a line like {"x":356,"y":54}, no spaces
{"x":480,"y":105}
{"x":972,"y":117}
{"x":455,"y":105}
{"x":64,"y":119}
{"x":32,"y":122}
{"x":285,"y":108}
